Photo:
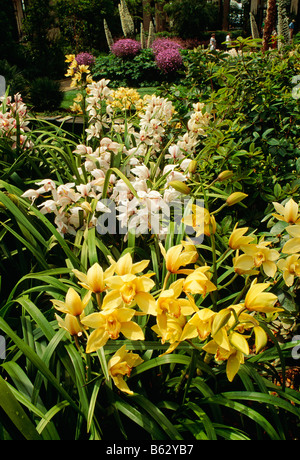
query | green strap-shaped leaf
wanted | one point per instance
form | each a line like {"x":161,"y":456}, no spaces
{"x":16,"y":413}
{"x":247,"y":411}
{"x":37,"y":362}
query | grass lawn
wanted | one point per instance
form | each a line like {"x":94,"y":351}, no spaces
{"x":68,"y":98}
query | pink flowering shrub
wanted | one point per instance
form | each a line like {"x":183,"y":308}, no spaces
{"x":85,"y":59}
{"x":169,"y":60}
{"x":126,"y":47}
{"x":162,"y":44}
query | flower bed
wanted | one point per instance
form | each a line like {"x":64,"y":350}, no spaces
{"x":147,"y":299}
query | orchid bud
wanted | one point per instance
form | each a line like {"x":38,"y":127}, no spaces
{"x":224,"y":175}
{"x":235,"y":198}
{"x":193,"y":166}
{"x":180,"y":187}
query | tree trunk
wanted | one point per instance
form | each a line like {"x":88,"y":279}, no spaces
{"x":270,"y":23}
{"x":160,"y":17}
{"x":146,"y":14}
{"x":19,"y":16}
{"x":225,"y":19}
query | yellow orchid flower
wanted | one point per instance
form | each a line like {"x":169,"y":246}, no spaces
{"x":70,"y":72}
{"x":198,"y":282}
{"x":109,"y":324}
{"x":133,"y":290}
{"x":179,"y":256}
{"x":229,"y":326}
{"x":233,"y":357}
{"x":78,"y":98}
{"x":170,"y":302}
{"x":89,"y":80}
{"x":125,"y":265}
{"x":73,"y":303}
{"x":237,"y":238}
{"x":263,"y":257}
{"x":220,"y":321}
{"x":200,"y":220}
{"x":84,"y":68}
{"x":245,"y":320}
{"x":199,"y":325}
{"x":95,"y":279}
{"x":288,"y":213}
{"x":244,"y":264}
{"x":170,"y":330}
{"x":261,"y":338}
{"x":70,"y":58}
{"x":257,"y":300}
{"x":120,"y":365}
{"x":239,"y":342}
{"x":69,"y":323}
{"x":76,"y":108}
{"x":290,"y":268}
{"x":75,"y":80}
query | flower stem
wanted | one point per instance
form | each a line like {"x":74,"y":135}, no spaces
{"x":166,"y":280}
{"x":229,"y":282}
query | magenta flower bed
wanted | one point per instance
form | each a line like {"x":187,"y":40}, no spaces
{"x":126,"y":47}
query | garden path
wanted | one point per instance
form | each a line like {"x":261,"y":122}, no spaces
{"x":65,"y":84}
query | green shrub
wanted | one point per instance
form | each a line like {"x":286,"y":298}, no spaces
{"x":45,"y":94}
{"x":142,"y":70}
{"x":14,"y":78}
{"x":297,"y":38}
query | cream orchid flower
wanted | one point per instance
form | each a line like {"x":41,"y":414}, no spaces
{"x":288,"y":212}
{"x":293,"y":244}
{"x":263,"y":256}
{"x":290,"y":268}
